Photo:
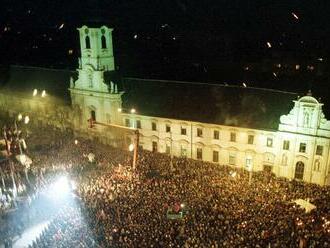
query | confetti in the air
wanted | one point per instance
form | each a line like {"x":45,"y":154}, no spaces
{"x":295,"y":16}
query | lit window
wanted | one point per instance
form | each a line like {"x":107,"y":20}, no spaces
{"x":233,"y":137}
{"x":319,"y":150}
{"x":250,"y":139}
{"x":154,"y":126}
{"x":199,"y":153}
{"x":269,"y":142}
{"x":216,"y":134}
{"x":302,"y":147}
{"x":286,"y":145}
{"x":168,"y":128}
{"x":215,"y":156}
{"x":199,"y":132}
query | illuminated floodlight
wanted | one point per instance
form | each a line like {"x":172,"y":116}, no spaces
{"x":20,"y":117}
{"x":61,"y":186}
{"x":26,"y":119}
{"x":35,"y":92}
{"x":43,"y":93}
{"x":131,"y":147}
{"x":133,"y":111}
{"x":73,"y":185}
{"x":119,"y":110}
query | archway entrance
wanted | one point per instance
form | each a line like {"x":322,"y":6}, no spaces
{"x":299,"y":172}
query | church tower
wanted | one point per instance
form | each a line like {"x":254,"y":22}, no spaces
{"x":95,"y":92}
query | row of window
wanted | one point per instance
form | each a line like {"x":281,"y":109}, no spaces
{"x":232,"y":157}
{"x":88,"y":42}
{"x":216,"y":136}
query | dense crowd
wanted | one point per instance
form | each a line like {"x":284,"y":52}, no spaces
{"x":197,"y":204}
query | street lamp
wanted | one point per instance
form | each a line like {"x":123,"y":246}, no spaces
{"x":35,"y":93}
{"x":26,"y":119}
{"x":131,"y":147}
{"x":43,"y":93}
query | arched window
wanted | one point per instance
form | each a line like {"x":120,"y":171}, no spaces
{"x":87,"y":42}
{"x":104,"y":42}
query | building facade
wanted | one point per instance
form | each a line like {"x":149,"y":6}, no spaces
{"x":294,"y":144}
{"x":298,"y":149}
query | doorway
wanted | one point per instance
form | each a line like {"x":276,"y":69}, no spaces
{"x":299,"y":172}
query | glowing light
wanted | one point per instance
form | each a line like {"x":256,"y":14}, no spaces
{"x":62,"y":26}
{"x":76,"y":142}
{"x":269,"y":45}
{"x":295,"y":16}
{"x":61,"y":186}
{"x":26,"y":119}
{"x":131,"y":147}
{"x":135,"y":36}
{"x":182,"y":205}
{"x":310,"y":67}
{"x":320,"y":59}
{"x":35,"y":92}
{"x":244,"y":85}
{"x":297,"y":67}
{"x":70,"y":51}
{"x":43,"y":93}
{"x":274,"y":74}
{"x":73,"y":185}
{"x":133,"y":111}
{"x":119,"y":110}
{"x":20,"y":117}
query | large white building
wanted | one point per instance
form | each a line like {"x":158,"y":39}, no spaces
{"x":247,"y":128}
{"x":298,"y":148}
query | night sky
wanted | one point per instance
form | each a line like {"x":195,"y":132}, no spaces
{"x":258,"y":43}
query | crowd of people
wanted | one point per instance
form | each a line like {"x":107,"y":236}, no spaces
{"x":197,"y":204}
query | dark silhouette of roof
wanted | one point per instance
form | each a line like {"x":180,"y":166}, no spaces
{"x":209,"y":103}
{"x":23,"y":80}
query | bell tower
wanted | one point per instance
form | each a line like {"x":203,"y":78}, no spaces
{"x":96,"y":48}
{"x":95,"y":92}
